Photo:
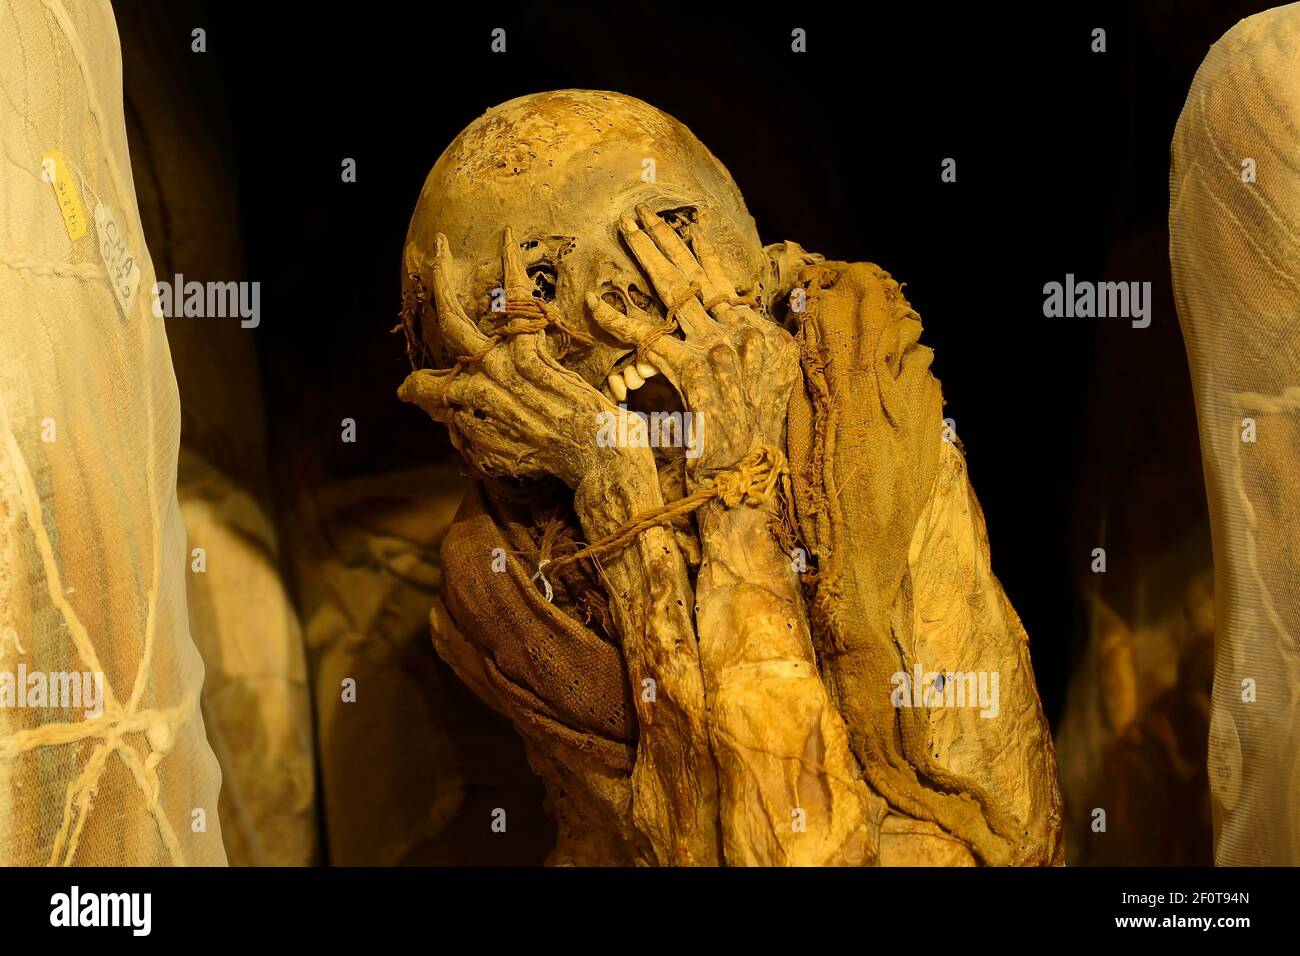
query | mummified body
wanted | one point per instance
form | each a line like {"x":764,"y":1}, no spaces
{"x":723,"y":681}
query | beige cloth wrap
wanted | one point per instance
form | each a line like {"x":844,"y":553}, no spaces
{"x":1234,"y":224}
{"x":93,"y":553}
{"x":903,"y":580}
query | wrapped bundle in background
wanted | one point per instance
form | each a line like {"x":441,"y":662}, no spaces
{"x":1234,"y":224}
{"x":256,"y":703}
{"x":92,"y":548}
{"x":411,"y":766}
{"x":1131,"y":741}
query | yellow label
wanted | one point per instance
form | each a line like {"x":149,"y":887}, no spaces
{"x":55,"y":172}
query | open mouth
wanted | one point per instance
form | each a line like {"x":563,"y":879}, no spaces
{"x":628,"y":376}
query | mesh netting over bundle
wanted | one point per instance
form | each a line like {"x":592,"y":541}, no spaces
{"x":1234,"y":225}
{"x":92,"y":549}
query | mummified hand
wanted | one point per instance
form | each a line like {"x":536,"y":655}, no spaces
{"x":516,"y":411}
{"x":734,"y":367}
{"x":790,"y":790}
{"x":511,"y":408}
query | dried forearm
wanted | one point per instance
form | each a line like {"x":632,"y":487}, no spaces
{"x":674,"y":782}
{"x":791,"y":791}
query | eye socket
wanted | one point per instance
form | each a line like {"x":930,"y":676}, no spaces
{"x":540,"y":258}
{"x":639,"y":298}
{"x":614,"y":300}
{"x":681,"y":219}
{"x":544,"y":279}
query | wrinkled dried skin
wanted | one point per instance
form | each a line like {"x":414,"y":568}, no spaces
{"x":792,"y":792}
{"x":674,"y":784}
{"x":514,"y":410}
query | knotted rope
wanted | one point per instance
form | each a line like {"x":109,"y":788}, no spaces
{"x":643,"y":347}
{"x":524,"y":316}
{"x":671,"y":326}
{"x":753,"y":481}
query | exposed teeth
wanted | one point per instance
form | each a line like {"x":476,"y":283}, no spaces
{"x":629,"y":378}
{"x":617,"y":387}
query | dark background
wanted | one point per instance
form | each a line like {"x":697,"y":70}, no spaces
{"x":1078,"y":433}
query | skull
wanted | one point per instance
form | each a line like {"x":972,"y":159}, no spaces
{"x":560,"y":168}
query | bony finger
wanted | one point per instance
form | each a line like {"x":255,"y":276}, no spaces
{"x":622,"y":327}
{"x":672,"y":286}
{"x":455,"y":325}
{"x":716,"y":290}
{"x":517,"y":283}
{"x":670,"y":244}
{"x":427,"y":388}
{"x":663,"y":349}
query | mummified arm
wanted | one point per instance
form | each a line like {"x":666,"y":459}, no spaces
{"x":516,"y":411}
{"x":791,"y":791}
{"x":674,"y":784}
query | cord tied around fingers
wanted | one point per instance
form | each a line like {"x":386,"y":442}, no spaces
{"x":643,"y":347}
{"x":522,"y":317}
{"x":754,"y":481}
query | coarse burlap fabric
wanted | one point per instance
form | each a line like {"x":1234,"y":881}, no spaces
{"x":549,"y":670}
{"x":1234,"y":224}
{"x":904,"y":580}
{"x":93,"y":553}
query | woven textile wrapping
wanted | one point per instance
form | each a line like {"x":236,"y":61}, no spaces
{"x":93,"y":554}
{"x":1234,"y":224}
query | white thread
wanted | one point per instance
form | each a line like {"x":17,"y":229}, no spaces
{"x":547,"y":591}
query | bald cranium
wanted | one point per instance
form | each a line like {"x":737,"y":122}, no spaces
{"x":560,"y":168}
